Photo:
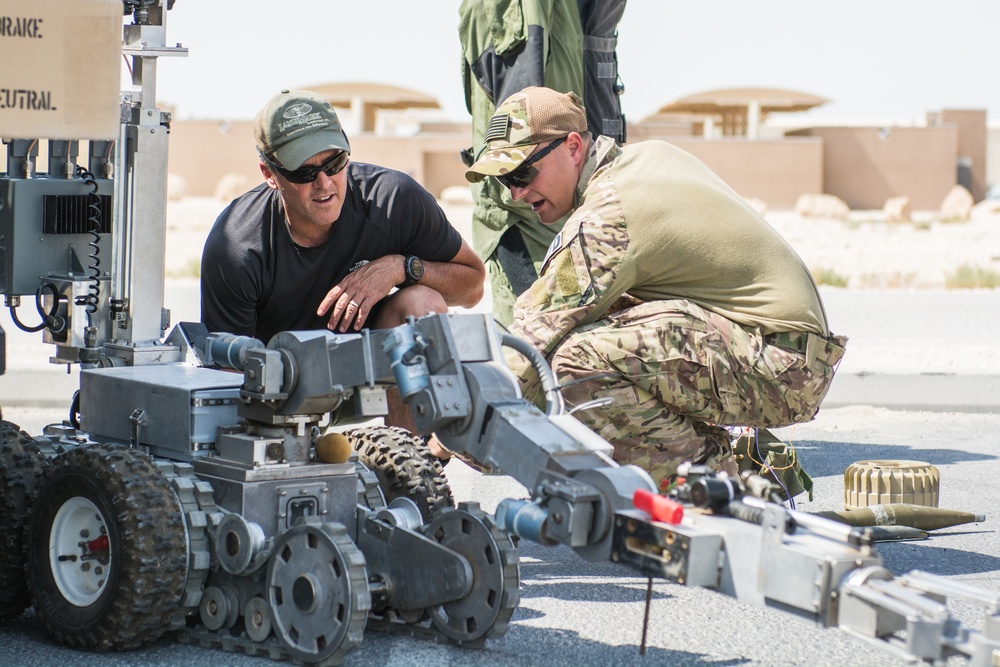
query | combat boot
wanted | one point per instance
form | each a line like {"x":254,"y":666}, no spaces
{"x":762,"y":453}
{"x":719,"y":453}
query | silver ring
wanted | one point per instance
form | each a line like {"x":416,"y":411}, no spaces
{"x":353,"y":303}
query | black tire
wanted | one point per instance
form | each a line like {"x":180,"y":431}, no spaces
{"x":404,"y":468}
{"x":21,"y":468}
{"x":116,"y":593}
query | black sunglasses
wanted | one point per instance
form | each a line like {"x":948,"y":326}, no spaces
{"x":525,"y":173}
{"x":334,"y":165}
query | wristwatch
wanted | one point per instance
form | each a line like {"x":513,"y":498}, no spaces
{"x":413,"y":267}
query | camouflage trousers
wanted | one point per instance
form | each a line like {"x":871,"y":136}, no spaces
{"x":675,"y":373}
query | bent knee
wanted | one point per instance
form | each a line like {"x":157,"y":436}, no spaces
{"x":413,"y":301}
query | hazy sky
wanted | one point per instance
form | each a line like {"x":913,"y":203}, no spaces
{"x":880,"y":60}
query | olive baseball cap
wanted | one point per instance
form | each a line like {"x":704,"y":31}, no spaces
{"x":294,"y":125}
{"x":524,"y":120}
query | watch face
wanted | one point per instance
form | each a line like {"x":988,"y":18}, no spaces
{"x":414,"y":269}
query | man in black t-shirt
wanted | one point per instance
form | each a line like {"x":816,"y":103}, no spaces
{"x":323,"y":241}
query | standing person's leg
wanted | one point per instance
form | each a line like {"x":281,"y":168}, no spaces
{"x":511,"y":241}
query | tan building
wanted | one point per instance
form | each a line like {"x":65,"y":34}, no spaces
{"x":383,"y":124}
{"x":973,"y":139}
{"x":726,"y":129}
{"x":863,"y":165}
{"x":211,"y":156}
{"x":735,"y":112}
{"x":776,"y":171}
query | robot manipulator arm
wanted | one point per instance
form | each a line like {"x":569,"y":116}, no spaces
{"x":450,"y":370}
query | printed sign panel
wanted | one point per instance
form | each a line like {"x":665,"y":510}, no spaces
{"x":60,"y":68}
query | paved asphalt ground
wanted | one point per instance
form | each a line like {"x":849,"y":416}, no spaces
{"x":934,"y":351}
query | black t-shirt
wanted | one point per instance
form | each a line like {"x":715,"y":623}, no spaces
{"x":256,"y":281}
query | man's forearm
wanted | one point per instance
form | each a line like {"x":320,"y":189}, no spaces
{"x":459,"y":284}
{"x":460,"y":280}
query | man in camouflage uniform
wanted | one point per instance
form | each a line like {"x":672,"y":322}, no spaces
{"x":665,"y":296}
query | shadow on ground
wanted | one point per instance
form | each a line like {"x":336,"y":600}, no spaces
{"x":825,"y":458}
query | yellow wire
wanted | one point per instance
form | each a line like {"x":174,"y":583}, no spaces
{"x":793,"y":455}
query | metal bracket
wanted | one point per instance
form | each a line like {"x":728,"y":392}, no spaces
{"x":136,"y":421}
{"x":417,"y":571}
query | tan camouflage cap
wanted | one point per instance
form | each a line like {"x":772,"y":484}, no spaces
{"x":294,"y":125}
{"x":525,"y":119}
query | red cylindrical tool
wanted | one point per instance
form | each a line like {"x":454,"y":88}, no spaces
{"x":658,"y":507}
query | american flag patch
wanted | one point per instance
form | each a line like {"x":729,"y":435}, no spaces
{"x":498,"y":127}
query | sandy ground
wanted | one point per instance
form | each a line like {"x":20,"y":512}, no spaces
{"x":871,"y":253}
{"x":864,"y":251}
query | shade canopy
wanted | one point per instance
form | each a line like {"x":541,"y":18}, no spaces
{"x":367,"y":99}
{"x":741,"y":110}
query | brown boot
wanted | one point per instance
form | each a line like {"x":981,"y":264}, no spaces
{"x":444,"y":455}
{"x":437,"y":449}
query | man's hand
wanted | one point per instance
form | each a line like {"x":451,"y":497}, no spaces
{"x":353,"y":297}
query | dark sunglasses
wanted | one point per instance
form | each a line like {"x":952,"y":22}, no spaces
{"x":334,"y":165}
{"x":525,"y":173}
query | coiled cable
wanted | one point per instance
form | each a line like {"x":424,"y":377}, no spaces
{"x":93,"y":297}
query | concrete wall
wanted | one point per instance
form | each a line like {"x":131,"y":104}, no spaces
{"x":203,"y":152}
{"x":864,"y":166}
{"x":971,"y":144}
{"x":432,"y":159}
{"x":776,"y":172}
{"x":993,"y":154}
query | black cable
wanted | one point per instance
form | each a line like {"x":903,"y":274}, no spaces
{"x":24,"y":327}
{"x":93,"y":297}
{"x":53,"y":322}
{"x":740,"y":510}
{"x":554,"y":404}
{"x":49,"y":320}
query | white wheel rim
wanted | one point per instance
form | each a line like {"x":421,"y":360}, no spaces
{"x":79,"y":552}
